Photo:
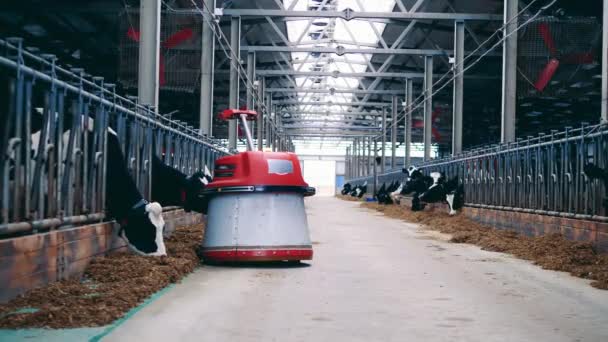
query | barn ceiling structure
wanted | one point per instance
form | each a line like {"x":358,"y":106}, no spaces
{"x":325,"y":71}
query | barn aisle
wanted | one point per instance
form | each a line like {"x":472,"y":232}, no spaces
{"x":375,"y":279}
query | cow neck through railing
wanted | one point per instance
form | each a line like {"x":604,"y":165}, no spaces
{"x":53,"y":143}
{"x":542,"y":174}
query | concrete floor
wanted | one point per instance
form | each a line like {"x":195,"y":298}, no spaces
{"x":376,"y":279}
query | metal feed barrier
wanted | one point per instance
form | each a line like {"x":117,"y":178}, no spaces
{"x":542,"y":174}
{"x":51,"y":177}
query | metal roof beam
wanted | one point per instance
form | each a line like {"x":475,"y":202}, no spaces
{"x":330,"y":103}
{"x":336,"y":91}
{"x":349,"y":15}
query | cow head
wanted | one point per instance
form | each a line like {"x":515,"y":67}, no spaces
{"x":414,"y":181}
{"x":436,"y":192}
{"x":195,"y":184}
{"x":454,"y":194}
{"x":143,"y":229}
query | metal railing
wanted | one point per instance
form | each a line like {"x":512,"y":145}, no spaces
{"x":542,"y":174}
{"x":54,"y":126}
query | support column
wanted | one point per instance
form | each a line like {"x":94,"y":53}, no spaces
{"x":409,"y":96}
{"x":394,"y":124}
{"x":268,"y":116}
{"x":375,"y":168}
{"x":355,"y":158}
{"x":383,"y":140}
{"x":369,"y":156}
{"x":458,"y":87}
{"x":235,"y":61}
{"x":207,"y":65}
{"x":273,"y":127}
{"x":249,"y":82}
{"x":260,"y":109}
{"x":428,"y":106}
{"x":347,"y":163}
{"x":509,"y":72}
{"x":363,"y":156}
{"x":149,"y":47}
{"x":605,"y":64}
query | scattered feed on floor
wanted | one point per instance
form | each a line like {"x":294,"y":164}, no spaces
{"x":111,"y":286}
{"x":552,"y":251}
{"x":349,"y":198}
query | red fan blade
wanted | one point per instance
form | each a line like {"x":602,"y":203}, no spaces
{"x":544,"y":31}
{"x":161,"y":70}
{"x":133,"y":35}
{"x":417,"y":124}
{"x":178,"y":38}
{"x":578,"y":58}
{"x":546,"y":74}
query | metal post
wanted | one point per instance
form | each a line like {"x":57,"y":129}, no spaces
{"x":409,"y":96}
{"x":383,"y":139}
{"x":207,"y":64}
{"x":605,"y":64}
{"x":394,"y":124}
{"x":149,"y":47}
{"x":509,"y":72}
{"x":458,"y":87}
{"x":369,"y":156}
{"x":235,"y":61}
{"x":247,"y":132}
{"x":347,"y":163}
{"x":249,"y":82}
{"x":375,"y":167}
{"x":363,"y":156}
{"x":428,"y":106}
{"x":268,"y":117}
{"x":273,"y":128}
{"x":260,"y":105}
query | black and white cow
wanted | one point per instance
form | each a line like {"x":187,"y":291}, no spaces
{"x":383,"y":195}
{"x":171,"y":187}
{"x":432,"y":189}
{"x":359,"y":190}
{"x":346,"y":189}
{"x":141,"y":222}
{"x":595,"y":172}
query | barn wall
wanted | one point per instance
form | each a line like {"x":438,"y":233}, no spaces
{"x":35,"y":260}
{"x":532,"y":224}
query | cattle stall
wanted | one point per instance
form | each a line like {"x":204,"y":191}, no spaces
{"x":541,"y":174}
{"x":55,"y":123}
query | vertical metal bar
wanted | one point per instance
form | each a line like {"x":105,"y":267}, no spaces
{"x":509,"y":71}
{"x":604,"y":97}
{"x":408,"y":120}
{"x":235,"y":45}
{"x":268,"y":115}
{"x":428,"y":106}
{"x":27,"y":171}
{"x":247,"y":132}
{"x":19,"y":138}
{"x":149,"y":47}
{"x":207,"y":65}
{"x":383,"y":152}
{"x":260,"y":109}
{"x":375,"y":167}
{"x":458,"y":87}
{"x":249,"y":85}
{"x":394,"y":124}
{"x":368,"y":162}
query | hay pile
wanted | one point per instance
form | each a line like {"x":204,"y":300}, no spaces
{"x":111,"y":286}
{"x":349,"y":198}
{"x":552,"y":251}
